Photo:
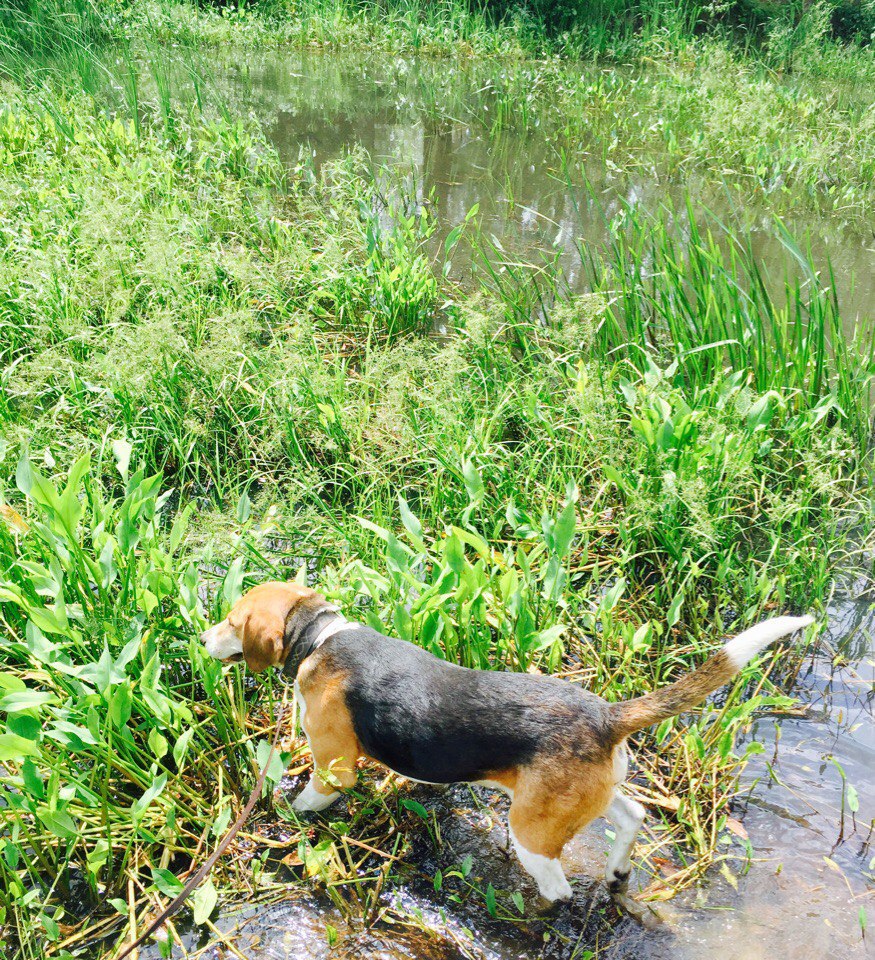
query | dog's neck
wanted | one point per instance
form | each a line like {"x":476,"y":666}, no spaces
{"x":307,"y":630}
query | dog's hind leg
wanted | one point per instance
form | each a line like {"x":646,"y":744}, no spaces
{"x":552,"y":802}
{"x":626,"y":816}
{"x":540,"y":823}
{"x":545,"y":870}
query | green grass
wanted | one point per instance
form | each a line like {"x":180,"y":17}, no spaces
{"x":216,"y":370}
{"x":787,"y":36}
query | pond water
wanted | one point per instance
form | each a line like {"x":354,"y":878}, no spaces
{"x":812,"y":871}
{"x":430,"y":121}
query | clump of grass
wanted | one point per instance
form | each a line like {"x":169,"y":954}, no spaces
{"x":704,"y":304}
{"x":539,"y":28}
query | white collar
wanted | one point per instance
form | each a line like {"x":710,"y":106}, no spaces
{"x":334,"y":626}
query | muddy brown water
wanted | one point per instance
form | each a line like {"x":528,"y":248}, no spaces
{"x":429,"y":120}
{"x":812,"y":878}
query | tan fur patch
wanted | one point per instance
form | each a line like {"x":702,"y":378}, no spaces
{"x":554,"y":800}
{"x":328,"y":725}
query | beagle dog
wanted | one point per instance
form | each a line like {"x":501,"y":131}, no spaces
{"x":557,"y":750}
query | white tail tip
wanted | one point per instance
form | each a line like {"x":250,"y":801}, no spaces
{"x":747,"y":645}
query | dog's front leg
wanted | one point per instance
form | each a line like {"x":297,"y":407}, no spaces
{"x":313,"y":800}
{"x":328,"y":728}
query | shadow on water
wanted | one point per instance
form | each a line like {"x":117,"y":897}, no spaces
{"x":812,"y":870}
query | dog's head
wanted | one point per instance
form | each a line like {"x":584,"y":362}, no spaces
{"x":256,"y":628}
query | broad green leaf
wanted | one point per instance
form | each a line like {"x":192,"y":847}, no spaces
{"x":613,"y":595}
{"x":203,"y":901}
{"x":232,"y":586}
{"x":475,"y":541}
{"x":70,"y":506}
{"x":546,"y":638}
{"x":25,"y":725}
{"x":140,"y":806}
{"x":158,"y":743}
{"x":275,"y":767}
{"x":34,"y":485}
{"x":25,"y":700}
{"x":98,"y":855}
{"x":13,"y":747}
{"x":121,"y":450}
{"x":490,"y":900}
{"x":416,"y":807}
{"x":614,"y":476}
{"x":10,"y":682}
{"x":166,"y":882}
{"x":181,"y":746}
{"x":244,"y":507}
{"x":381,"y":532}
{"x":674,"y":610}
{"x":58,"y":822}
{"x":107,"y":563}
{"x":33,"y":782}
{"x":454,"y":553}
{"x":411,"y":525}
{"x":853,"y":799}
{"x":473,"y":483}
{"x":53,"y":931}
{"x":563,"y":531}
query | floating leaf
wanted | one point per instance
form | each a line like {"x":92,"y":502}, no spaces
{"x":203,"y":902}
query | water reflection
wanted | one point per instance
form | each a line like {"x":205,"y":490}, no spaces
{"x":401,"y":112}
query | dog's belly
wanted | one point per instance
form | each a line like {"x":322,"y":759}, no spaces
{"x":433,"y":759}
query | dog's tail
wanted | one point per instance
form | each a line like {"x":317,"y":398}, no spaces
{"x":692,"y":689}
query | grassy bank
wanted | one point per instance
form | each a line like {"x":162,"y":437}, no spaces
{"x":824,"y":36}
{"x":215,"y":370}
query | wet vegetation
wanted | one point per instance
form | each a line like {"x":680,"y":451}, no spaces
{"x":216,"y":368}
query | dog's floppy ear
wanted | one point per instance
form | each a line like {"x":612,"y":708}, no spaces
{"x":263,"y":639}
{"x":264,"y":628}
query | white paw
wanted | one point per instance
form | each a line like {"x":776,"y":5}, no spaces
{"x":545,"y":871}
{"x":554,"y":888}
{"x":310,"y":799}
